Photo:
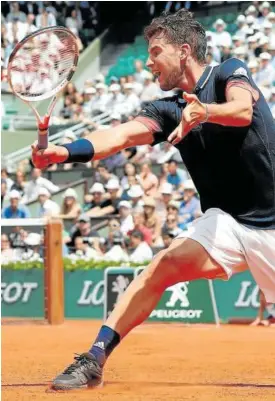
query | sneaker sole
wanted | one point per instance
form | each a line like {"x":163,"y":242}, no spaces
{"x":74,"y":387}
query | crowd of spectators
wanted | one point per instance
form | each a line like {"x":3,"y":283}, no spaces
{"x":147,"y":210}
{"x":18,"y":19}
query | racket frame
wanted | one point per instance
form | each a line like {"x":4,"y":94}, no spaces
{"x":43,"y":122}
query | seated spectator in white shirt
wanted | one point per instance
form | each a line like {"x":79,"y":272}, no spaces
{"x":116,"y":253}
{"x":142,"y":251}
{"x":266,"y":73}
{"x":151,"y":90}
{"x":267,"y":27}
{"x":131,"y":102}
{"x":265,"y":9}
{"x":45,"y":18}
{"x":32,"y":246}
{"x":136,"y":194}
{"x":15,"y":210}
{"x":83,"y":251}
{"x":138,"y":87}
{"x":140,"y":73}
{"x":242,"y":27}
{"x":101,"y":99}
{"x":126,"y":219}
{"x":5,"y":176}
{"x":37,"y":182}
{"x":253,"y":67}
{"x":89,"y":98}
{"x":116,"y":98}
{"x":222,"y":37}
{"x":47,"y":206}
{"x":214,"y":52}
{"x":8,"y":254}
{"x":74,"y":22}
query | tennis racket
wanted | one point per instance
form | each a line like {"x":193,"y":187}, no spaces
{"x":39,"y":67}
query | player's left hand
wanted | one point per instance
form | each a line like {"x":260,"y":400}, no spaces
{"x":194,"y":113}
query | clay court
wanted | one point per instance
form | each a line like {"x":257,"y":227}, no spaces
{"x":156,"y":362}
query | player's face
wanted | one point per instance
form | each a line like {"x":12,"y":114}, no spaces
{"x":165,"y":62}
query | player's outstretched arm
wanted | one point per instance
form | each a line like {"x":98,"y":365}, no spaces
{"x":98,"y":145}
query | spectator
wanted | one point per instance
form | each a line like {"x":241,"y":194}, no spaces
{"x":175,"y":176}
{"x":242,"y":27}
{"x":265,"y":9}
{"x":166,"y":194}
{"x":74,"y":22}
{"x":164,"y":152}
{"x":17,"y":237}
{"x":19,"y":183}
{"x":253,"y":67}
{"x":114,"y":191}
{"x":148,"y":180}
{"x":138,"y":87}
{"x":172,"y":224}
{"x":132,"y":181}
{"x":83,"y":251}
{"x":222,"y":37}
{"x":131,"y":101}
{"x":5,"y":176}
{"x":173,"y":207}
{"x":15,"y":13}
{"x":167,"y":237}
{"x":136,"y":194}
{"x":45,"y":18}
{"x":15,"y":211}
{"x":138,"y":219}
{"x":94,"y":202}
{"x":266,"y":74}
{"x":116,"y":98}
{"x":70,"y":208}
{"x":30,"y":27}
{"x":89,"y":98}
{"x":130,"y":169}
{"x":190,"y":207}
{"x":152,"y":220}
{"x":126,"y":219}
{"x":101,"y":99}
{"x":142,"y":251}
{"x":113,"y":227}
{"x":82,"y":229}
{"x":31,"y":251}
{"x":47,"y":206}
{"x":37,"y":182}
{"x":151,"y":90}
{"x":4,"y":191}
{"x":140,"y":74}
{"x":7,"y":253}
{"x":103,"y":174}
{"x":117,"y":253}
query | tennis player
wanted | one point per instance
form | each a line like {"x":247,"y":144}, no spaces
{"x":225,"y":133}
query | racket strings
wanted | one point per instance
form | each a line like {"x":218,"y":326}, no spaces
{"x":42,"y":64}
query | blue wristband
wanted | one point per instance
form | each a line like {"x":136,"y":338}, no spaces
{"x":80,"y":151}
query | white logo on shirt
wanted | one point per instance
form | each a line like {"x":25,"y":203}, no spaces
{"x":241,"y":71}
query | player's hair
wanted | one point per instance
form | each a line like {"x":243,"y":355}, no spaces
{"x":180,"y":28}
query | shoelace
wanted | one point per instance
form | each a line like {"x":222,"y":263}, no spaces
{"x":81,"y":361}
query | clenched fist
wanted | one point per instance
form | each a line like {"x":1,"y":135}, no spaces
{"x":194,"y":113}
{"x":43,"y":158}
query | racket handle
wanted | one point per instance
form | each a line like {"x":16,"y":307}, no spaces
{"x":42,"y":139}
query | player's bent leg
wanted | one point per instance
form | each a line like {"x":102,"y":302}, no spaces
{"x":185,"y":260}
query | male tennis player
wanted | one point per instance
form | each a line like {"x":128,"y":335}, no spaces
{"x":225,"y":133}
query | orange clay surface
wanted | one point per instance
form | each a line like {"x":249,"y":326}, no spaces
{"x":155,"y":362}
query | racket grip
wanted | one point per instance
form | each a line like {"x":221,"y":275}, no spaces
{"x":42,"y":139}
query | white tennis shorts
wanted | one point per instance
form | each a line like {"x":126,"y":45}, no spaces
{"x":236,"y":247}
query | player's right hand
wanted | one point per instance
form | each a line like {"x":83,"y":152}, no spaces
{"x":43,"y":158}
